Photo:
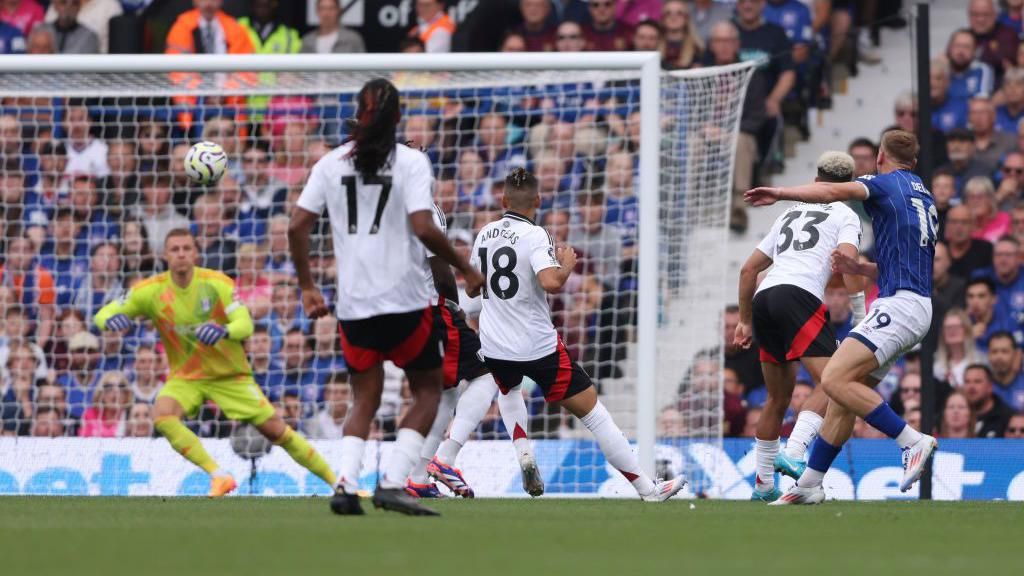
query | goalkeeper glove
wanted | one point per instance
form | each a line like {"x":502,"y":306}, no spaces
{"x":211,"y":333}
{"x":119,"y":323}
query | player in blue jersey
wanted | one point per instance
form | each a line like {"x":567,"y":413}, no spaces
{"x":905,"y":221}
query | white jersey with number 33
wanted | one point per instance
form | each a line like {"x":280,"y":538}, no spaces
{"x":801,"y":243}
{"x":515,"y":322}
{"x":380,"y":261}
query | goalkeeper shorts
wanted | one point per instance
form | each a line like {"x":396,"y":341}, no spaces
{"x":242,"y":401}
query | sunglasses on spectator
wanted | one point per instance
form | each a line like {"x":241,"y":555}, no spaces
{"x":601,"y":4}
{"x":1013,"y":170}
{"x":1015,"y":430}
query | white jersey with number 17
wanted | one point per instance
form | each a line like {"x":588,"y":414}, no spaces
{"x":515,"y":321}
{"x":380,"y":261}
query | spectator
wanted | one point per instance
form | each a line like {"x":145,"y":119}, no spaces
{"x":1004,"y":357}
{"x":145,"y":376}
{"x":1006,"y":274}
{"x":22,"y":14}
{"x":86,"y":154}
{"x":326,"y":355}
{"x":69,"y":323}
{"x":1011,"y":183}
{"x":647,"y":37}
{"x":955,"y":349}
{"x":759,"y":39}
{"x":683,"y":44}
{"x":206,"y":29}
{"x":266,"y":368}
{"x":299,"y":378}
{"x":958,"y":419}
{"x":327,"y":422}
{"x":224,"y":131}
{"x":945,"y":195}
{"x":997,"y":42}
{"x":947,"y":113}
{"x":33,"y":286}
{"x":980,"y":199}
{"x":993,"y":415}
{"x":17,"y":329}
{"x":474,"y":189}
{"x":140,"y":421}
{"x":113,"y":352}
{"x":1015,"y":429}
{"x":601,"y":243}
{"x":981,"y":304}
{"x":183,"y":190}
{"x":252,"y":286}
{"x":554,"y":185}
{"x":604,"y":32}
{"x":105,"y":417}
{"x":908,"y":393}
{"x":41,"y":41}
{"x":968,"y":253}
{"x":537,"y":32}
{"x":258,"y":190}
{"x":47,"y":423}
{"x":493,"y":146}
{"x":121,"y":188}
{"x":286,"y":312}
{"x":330,"y":36}
{"x":279,"y":264}
{"x":71,"y":36}
{"x":102,"y":284}
{"x":16,"y":388}
{"x":671,"y":423}
{"x":905,"y":117}
{"x":157,"y":213}
{"x":136,"y":255}
{"x":632,"y":12}
{"x":12,"y":41}
{"x":947,"y":289}
{"x":569,"y":37}
{"x":290,"y":409}
{"x":216,"y":248}
{"x":94,"y":15}
{"x":267,"y":34}
{"x":750,"y":425}
{"x":513,"y":42}
{"x":706,"y":13}
{"x":865,"y":154}
{"x":837,"y":300}
{"x":745,"y":362}
{"x":81,"y":378}
{"x":733,"y":406}
{"x":963,"y":162}
{"x":990,"y":146}
{"x":968,"y":78}
{"x":433,"y":26}
{"x":1010,"y":113}
{"x":794,"y":17}
{"x":152,"y":139}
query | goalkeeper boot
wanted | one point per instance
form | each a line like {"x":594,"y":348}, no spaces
{"x":797,"y":495}
{"x":766,"y":496}
{"x":345,"y":504}
{"x":789,"y":466}
{"x":533,"y":482}
{"x":398,"y":500}
{"x":915,"y":457}
{"x":665,"y":489}
{"x":450,"y":476}
{"x":428,"y":490}
{"x":221,"y":485}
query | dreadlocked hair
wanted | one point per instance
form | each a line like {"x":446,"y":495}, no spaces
{"x":374,"y":127}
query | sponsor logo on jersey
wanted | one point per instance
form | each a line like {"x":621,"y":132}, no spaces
{"x":204,"y":305}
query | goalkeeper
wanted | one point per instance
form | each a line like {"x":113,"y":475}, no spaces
{"x":202,"y":327}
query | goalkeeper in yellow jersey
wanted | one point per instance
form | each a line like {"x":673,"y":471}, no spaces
{"x":202,"y":327}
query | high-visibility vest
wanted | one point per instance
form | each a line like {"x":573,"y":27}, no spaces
{"x":283,"y":40}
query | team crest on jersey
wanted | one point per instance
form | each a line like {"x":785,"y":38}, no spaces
{"x":204,"y":305}
{"x":506,"y":224}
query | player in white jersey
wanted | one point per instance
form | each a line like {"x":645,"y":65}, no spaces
{"x":790,"y":322}
{"x":378,"y":196}
{"x":520,"y":266}
{"x":462,"y":363}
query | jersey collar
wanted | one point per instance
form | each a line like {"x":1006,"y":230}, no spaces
{"x":517,"y":216}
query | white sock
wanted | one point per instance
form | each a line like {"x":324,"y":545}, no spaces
{"x":766,"y":451}
{"x":616,"y":448}
{"x":445,"y":410}
{"x":810,"y":478}
{"x":517,"y":421}
{"x":472,"y":407}
{"x":908,"y":437}
{"x":351,"y":461}
{"x":805,"y":430}
{"x":406,"y":450}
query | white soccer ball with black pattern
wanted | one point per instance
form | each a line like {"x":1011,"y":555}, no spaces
{"x":205,"y":163}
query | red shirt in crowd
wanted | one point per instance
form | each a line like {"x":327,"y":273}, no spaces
{"x":24,"y":17}
{"x":615,"y":39}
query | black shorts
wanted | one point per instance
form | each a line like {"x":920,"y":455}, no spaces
{"x":791,"y":323}
{"x":556,"y":374}
{"x":461,"y":346}
{"x":412,"y":340}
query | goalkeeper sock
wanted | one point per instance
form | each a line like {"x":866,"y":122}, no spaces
{"x":305,"y":455}
{"x":804,"y":431}
{"x":406,"y":450}
{"x":822,"y":456}
{"x":766,"y":451}
{"x":472,"y":408}
{"x":616,"y":448}
{"x":517,"y":420}
{"x":445,"y":410}
{"x":186,"y":443}
{"x":351,"y":462}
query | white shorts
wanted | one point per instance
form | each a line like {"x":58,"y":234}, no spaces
{"x":894,"y":326}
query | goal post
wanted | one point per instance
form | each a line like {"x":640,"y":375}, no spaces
{"x":639,"y":314}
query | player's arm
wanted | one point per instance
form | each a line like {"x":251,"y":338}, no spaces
{"x":304,"y":216}
{"x":444,"y":279}
{"x":815,"y":193}
{"x":755,"y":264}
{"x":422,"y":224}
{"x":552,"y":266}
{"x":118,"y":314}
{"x":855,"y":283}
{"x":240,"y":325}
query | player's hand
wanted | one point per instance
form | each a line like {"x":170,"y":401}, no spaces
{"x":843,"y":264}
{"x":313,"y":303}
{"x":762,"y":196}
{"x":566,"y":257}
{"x":119,"y":323}
{"x":743,"y":336}
{"x":211,"y":333}
{"x":474,"y":281}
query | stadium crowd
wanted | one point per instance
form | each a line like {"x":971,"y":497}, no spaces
{"x":90,"y":187}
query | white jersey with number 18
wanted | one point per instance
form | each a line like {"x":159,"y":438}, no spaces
{"x":801,"y":243}
{"x":515,"y":322}
{"x":380,"y":261}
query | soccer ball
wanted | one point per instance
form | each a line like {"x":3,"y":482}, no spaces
{"x":205,"y":163}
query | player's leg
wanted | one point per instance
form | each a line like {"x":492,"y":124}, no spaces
{"x":419,"y":483}
{"x":835,"y":431}
{"x":273,"y":427}
{"x":779,"y":379}
{"x":176,"y":399}
{"x":471,"y":409}
{"x":512,"y":406}
{"x":793,"y":459}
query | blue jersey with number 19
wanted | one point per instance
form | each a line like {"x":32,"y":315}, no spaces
{"x":905,"y":223}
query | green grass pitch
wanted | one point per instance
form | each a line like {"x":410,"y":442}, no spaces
{"x":243,"y":536}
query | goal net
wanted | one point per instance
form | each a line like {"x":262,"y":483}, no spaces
{"x":93,"y":180}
